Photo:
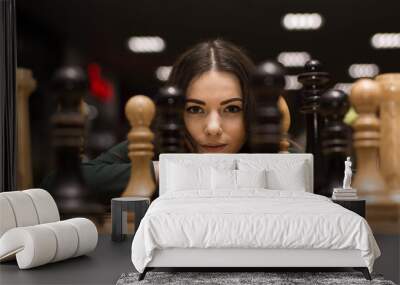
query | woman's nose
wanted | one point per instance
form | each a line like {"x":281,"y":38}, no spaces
{"x":213,"y":124}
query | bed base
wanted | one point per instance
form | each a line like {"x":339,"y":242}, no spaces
{"x":242,"y":259}
{"x":363,"y":270}
{"x":143,"y":274}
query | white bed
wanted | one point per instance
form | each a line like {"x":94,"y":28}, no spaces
{"x":200,"y":223}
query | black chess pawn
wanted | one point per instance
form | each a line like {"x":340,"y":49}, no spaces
{"x":69,"y":188}
{"x":336,"y":138}
{"x":315,"y":82}
{"x":170,"y":103}
{"x":268,"y":83}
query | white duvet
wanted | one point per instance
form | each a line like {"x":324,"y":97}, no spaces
{"x":251,"y":218}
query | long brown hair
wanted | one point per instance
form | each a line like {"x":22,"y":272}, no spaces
{"x":219,"y":55}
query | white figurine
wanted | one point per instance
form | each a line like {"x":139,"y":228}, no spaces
{"x":347,"y":174}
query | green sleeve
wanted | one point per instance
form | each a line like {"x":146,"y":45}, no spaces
{"x":107,"y":175}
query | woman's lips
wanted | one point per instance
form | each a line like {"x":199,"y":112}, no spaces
{"x":214,"y":148}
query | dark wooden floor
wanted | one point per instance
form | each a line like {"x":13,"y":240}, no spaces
{"x":389,"y":262}
{"x":103,"y":266}
{"x":110,"y":260}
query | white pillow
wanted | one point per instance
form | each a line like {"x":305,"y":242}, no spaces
{"x":200,"y":160}
{"x":281,"y":174}
{"x":227,"y":179}
{"x":181,"y":177}
{"x":223,"y":179}
{"x":193,"y":174}
{"x":251,"y":178}
{"x":277,"y":180}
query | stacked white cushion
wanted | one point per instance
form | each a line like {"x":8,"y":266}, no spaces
{"x":66,"y":237}
{"x":23,"y":208}
{"x":32,"y":246}
{"x":45,"y":205}
{"x":26,"y":208}
{"x":281,"y":174}
{"x":7,"y":218}
{"x":87,"y":234}
{"x":31,"y":231}
{"x":41,"y":244}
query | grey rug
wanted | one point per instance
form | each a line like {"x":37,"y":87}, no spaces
{"x":231,"y":278}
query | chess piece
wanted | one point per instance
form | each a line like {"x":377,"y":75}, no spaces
{"x":390,"y":132}
{"x":26,"y":84}
{"x":285,"y":123}
{"x":268,"y":81}
{"x":347,"y":174}
{"x":335,"y":136}
{"x":84,"y":110}
{"x":140,"y":111}
{"x":314,"y":82}
{"x":69,"y":188}
{"x":170,"y":102}
{"x":365,"y":96}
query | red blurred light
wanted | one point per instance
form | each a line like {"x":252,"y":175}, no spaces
{"x":100,"y":87}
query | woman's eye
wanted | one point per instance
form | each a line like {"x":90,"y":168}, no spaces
{"x":233,"y":109}
{"x":194,"y":110}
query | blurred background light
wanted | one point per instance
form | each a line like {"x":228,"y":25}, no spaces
{"x":146,"y":44}
{"x":294,"y":59}
{"x":363,"y":70}
{"x":292,"y":83}
{"x":345,"y":87}
{"x":302,"y":21}
{"x":385,"y":40}
{"x":162,"y":72}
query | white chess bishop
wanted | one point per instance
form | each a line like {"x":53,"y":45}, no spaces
{"x":347,"y":174}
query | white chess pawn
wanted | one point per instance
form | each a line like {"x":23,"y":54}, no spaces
{"x":347,"y":174}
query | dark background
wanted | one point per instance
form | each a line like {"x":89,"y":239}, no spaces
{"x":55,"y":33}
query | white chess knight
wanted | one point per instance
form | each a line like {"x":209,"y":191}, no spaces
{"x":347,"y":174}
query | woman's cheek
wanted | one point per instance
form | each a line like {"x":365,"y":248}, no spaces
{"x":235,"y":129}
{"x":235,"y":126}
{"x":193,"y":126}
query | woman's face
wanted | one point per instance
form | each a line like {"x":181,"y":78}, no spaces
{"x":213,"y":113}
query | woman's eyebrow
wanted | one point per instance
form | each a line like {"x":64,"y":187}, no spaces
{"x":231,"y":100}
{"x":195,"y":101}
